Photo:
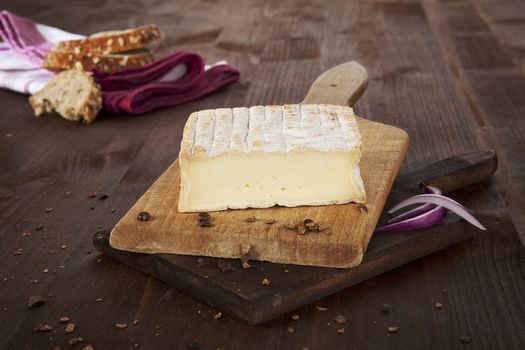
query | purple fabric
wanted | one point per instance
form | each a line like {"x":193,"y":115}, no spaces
{"x":139,"y":90}
{"x":132,"y":90}
{"x":23,"y":36}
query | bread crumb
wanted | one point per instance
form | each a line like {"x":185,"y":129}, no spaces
{"x":70,"y":327}
{"x":393,"y":329}
{"x":340,"y":319}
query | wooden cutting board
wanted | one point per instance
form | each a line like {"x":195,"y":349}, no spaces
{"x":349,"y":226}
{"x":239,"y":291}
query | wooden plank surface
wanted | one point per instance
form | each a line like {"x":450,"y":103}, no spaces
{"x":449,"y":97}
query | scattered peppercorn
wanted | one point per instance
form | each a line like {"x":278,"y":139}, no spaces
{"x":362,"y":208}
{"x":143,"y":216}
{"x":204,"y":220}
{"x":34,"y":301}
{"x":385,"y":308}
{"x":224,"y":266}
{"x":75,"y":341}
{"x":310,"y":225}
{"x":43,"y":328}
{"x":465,"y":339}
{"x":306,"y":226}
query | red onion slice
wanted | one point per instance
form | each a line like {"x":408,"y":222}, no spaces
{"x":412,"y":213}
{"x":425,"y":219}
{"x":418,"y":210}
{"x":432,"y":189}
{"x":443,"y":201}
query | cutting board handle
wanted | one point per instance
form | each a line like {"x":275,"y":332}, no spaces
{"x":341,"y":85}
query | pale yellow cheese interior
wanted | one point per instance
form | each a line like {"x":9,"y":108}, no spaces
{"x":262,"y":180}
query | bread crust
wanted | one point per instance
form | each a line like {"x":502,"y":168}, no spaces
{"x":51,"y":97}
{"x":111,"y":42}
{"x":61,"y":60}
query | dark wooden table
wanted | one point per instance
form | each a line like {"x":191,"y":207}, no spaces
{"x":451,"y":73}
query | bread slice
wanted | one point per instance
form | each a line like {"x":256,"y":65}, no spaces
{"x":72,"y":93}
{"x":61,"y":60}
{"x":104,"y":43}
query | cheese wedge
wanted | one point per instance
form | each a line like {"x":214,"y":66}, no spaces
{"x":258,"y":157}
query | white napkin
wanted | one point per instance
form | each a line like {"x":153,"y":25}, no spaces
{"x":21,"y":52}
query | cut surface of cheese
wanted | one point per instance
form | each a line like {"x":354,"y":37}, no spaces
{"x":258,"y":157}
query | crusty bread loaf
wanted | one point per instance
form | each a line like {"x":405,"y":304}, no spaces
{"x":72,"y":93}
{"x":61,"y":60}
{"x":104,"y":43}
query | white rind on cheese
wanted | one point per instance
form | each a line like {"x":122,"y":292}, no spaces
{"x":291,"y":155}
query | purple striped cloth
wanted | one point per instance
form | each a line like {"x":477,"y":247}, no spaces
{"x":169,"y":81}
{"x":24,"y":44}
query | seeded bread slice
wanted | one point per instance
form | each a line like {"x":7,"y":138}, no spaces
{"x":104,"y":43}
{"x":72,"y":93}
{"x":61,"y":60}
